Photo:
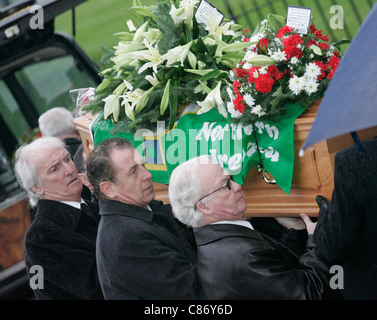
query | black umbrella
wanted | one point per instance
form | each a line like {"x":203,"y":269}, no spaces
{"x":350,"y":101}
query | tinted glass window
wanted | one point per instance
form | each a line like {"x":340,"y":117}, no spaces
{"x":48,"y":82}
{"x":11,"y":114}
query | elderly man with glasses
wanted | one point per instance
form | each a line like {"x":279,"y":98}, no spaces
{"x":234,"y":260}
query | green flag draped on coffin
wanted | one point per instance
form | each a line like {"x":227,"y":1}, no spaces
{"x":236,"y":147}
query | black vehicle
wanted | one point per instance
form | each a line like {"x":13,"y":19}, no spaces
{"x":38,"y":68}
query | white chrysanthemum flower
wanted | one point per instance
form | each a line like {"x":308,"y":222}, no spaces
{"x":311,"y":86}
{"x":247,"y":65}
{"x":312,"y":70}
{"x":234,"y":113}
{"x":230,"y":92}
{"x":258,"y":110}
{"x":263,"y":70}
{"x":294,"y":60}
{"x":278,"y":42}
{"x":250,"y":101}
{"x":278,"y":56}
{"x":296,"y":84}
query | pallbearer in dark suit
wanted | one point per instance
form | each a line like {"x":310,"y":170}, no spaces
{"x":234,"y":260}
{"x":346,"y":229}
{"x":61,"y":240}
{"x":142,"y":253}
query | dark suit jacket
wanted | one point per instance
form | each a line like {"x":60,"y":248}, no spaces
{"x":141,"y":254}
{"x":236,"y":262}
{"x":347,"y":233}
{"x":62,"y":240}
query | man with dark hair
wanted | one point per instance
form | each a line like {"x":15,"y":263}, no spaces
{"x":141,"y":252}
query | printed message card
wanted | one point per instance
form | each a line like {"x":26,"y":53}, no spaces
{"x":207,"y":11}
{"x":299,"y":18}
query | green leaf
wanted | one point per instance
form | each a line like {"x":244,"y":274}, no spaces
{"x":173,"y":105}
{"x":200,"y":47}
{"x":210,"y":75}
{"x":276,"y":21}
{"x":143,"y":11}
{"x":170,"y":34}
{"x":189,"y":35}
{"x":201,"y":72}
{"x":278,"y":95}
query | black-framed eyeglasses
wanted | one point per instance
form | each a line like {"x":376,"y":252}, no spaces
{"x":227,"y":184}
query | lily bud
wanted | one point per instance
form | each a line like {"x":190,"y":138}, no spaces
{"x":317,"y":50}
{"x":261,"y":61}
{"x":143,"y":100}
{"x":165,"y":98}
{"x":192,"y":59}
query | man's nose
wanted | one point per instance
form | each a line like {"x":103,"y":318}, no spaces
{"x":146,"y":174}
{"x":236,"y":187}
{"x":68,"y":168}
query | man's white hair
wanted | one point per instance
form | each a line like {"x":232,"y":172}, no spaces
{"x":185,"y":190}
{"x":24,"y":168}
{"x":56,"y":121}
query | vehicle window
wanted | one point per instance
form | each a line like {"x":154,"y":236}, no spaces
{"x":4,"y":3}
{"x":48,"y":82}
{"x":11,"y":114}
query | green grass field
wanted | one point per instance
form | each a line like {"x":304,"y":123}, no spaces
{"x":98,"y":20}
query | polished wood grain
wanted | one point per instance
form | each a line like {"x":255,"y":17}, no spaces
{"x":14,"y":222}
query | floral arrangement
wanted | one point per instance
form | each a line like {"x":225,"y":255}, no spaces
{"x":169,"y":60}
{"x":165,"y":62}
{"x":280,"y":66}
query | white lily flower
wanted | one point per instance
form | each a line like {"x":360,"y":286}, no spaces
{"x":131,"y":25}
{"x":152,"y":55}
{"x":177,"y":54}
{"x":214,"y":28}
{"x":139,"y":34}
{"x":125,"y":54}
{"x":152,"y":35}
{"x":126,"y":47}
{"x":212,"y":99}
{"x":152,"y":79}
{"x":128,"y":110}
{"x":185,"y":12}
{"x":177,"y":15}
{"x":134,"y":96}
{"x":111,"y":104}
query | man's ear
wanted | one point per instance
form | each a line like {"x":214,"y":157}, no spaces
{"x":203,"y":208}
{"x":107,"y":189}
{"x":38,"y":189}
{"x":85,"y":181}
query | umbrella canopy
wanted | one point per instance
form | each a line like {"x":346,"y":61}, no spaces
{"x":350,"y":101}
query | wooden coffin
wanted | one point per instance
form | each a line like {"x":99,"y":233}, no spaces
{"x":313,"y":172}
